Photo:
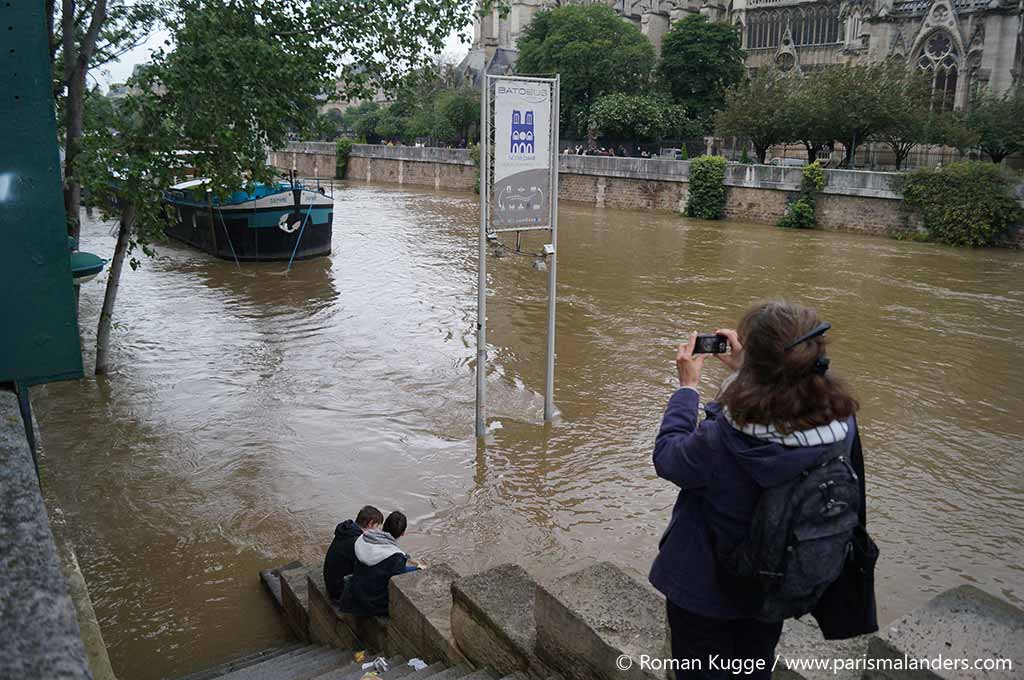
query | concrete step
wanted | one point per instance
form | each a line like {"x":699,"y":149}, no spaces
{"x":268,"y":670}
{"x":459,"y":671}
{"x":314,"y":665}
{"x":430,"y":671}
{"x":242,"y":662}
{"x":485,"y":674}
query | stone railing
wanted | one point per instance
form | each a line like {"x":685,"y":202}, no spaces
{"x":601,"y":622}
{"x":841,"y":182}
{"x":422,"y":154}
{"x":39,"y":633}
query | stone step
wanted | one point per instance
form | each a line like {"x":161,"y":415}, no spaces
{"x":429,"y":671}
{"x":459,"y":671}
{"x":312,"y":666}
{"x":485,"y":674}
{"x":267,"y":669}
{"x":357,"y":672}
{"x":242,"y":662}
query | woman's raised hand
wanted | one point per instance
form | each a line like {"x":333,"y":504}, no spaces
{"x":688,"y":365}
{"x":735,"y":356}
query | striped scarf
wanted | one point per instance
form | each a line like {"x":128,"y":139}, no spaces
{"x":816,"y":436}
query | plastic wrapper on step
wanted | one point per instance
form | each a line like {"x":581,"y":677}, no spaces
{"x":379,"y":665}
{"x":417,"y":664}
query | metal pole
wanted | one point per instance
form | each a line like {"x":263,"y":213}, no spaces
{"x":481,"y":292}
{"x":549,"y":386}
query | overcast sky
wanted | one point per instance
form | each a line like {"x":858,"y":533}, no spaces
{"x":118,"y":72}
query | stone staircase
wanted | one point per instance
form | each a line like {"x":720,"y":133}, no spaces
{"x":300,"y":661}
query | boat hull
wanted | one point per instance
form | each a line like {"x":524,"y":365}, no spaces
{"x":279,"y":226}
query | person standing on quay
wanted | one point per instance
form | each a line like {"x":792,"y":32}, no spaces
{"x":780,"y":413}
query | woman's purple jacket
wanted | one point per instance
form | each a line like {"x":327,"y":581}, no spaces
{"x":720,"y":472}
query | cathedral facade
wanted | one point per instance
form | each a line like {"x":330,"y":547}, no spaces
{"x":964,"y":45}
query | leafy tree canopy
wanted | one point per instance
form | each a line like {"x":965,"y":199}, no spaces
{"x":641,"y":118}
{"x":755,"y":109}
{"x":700,"y":60}
{"x":594,"y":50}
{"x":998,"y":123}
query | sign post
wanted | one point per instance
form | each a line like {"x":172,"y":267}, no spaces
{"x":518,"y":192}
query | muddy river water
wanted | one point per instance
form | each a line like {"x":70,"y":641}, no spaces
{"x":250,"y":411}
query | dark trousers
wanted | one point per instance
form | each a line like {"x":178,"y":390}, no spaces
{"x":711,"y":649}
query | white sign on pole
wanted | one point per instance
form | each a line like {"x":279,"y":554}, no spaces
{"x":522,"y":153}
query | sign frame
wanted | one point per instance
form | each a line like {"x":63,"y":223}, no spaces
{"x":489,"y":228}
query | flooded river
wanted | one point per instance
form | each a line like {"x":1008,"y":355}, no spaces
{"x":250,"y":411}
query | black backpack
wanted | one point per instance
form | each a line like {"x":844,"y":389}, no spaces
{"x":799,"y":538}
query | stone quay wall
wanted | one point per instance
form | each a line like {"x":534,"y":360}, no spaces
{"x":853,"y":200}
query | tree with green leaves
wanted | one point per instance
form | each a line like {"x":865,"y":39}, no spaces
{"x":907,"y":119}
{"x":998,"y":122}
{"x":856,"y":97}
{"x":595,"y":52}
{"x":755,"y":109}
{"x":806,"y":115}
{"x":700,"y":60}
{"x":86,"y":35}
{"x":640,"y":118}
{"x":235,"y":79}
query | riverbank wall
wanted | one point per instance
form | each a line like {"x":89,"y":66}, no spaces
{"x":607,"y":623}
{"x":852,"y":200}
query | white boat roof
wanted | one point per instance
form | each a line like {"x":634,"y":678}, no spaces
{"x":191,"y":183}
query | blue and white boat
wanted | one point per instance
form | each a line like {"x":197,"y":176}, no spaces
{"x":280,"y":221}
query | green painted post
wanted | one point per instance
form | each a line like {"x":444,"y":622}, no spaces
{"x":39,"y":342}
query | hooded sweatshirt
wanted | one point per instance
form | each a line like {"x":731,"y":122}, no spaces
{"x":378,"y":558}
{"x":341,"y":558}
{"x":720,"y":471}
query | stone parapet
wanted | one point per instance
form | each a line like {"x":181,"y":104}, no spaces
{"x":39,"y":634}
{"x":493,"y":620}
{"x":965,"y":625}
{"x":421,"y":154}
{"x":420,"y":607}
{"x":583,"y":625}
{"x":588,"y":619}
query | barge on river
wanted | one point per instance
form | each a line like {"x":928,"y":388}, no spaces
{"x":280,"y":221}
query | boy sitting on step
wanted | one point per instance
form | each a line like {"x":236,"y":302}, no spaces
{"x":378,"y":558}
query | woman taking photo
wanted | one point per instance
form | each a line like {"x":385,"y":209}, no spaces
{"x":780,"y":442}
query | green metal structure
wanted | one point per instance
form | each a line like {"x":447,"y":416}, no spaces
{"x":39,"y":342}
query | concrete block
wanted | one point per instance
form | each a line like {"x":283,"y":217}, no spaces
{"x":39,"y":634}
{"x":330,"y":626}
{"x":801,"y":639}
{"x":964,"y":623}
{"x":420,"y":621}
{"x":327,"y":624}
{"x":295,"y":600}
{"x":587,"y":619}
{"x":493,"y":620}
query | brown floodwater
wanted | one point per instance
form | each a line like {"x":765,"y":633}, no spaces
{"x":250,"y":411}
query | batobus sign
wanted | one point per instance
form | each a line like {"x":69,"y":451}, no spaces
{"x":522,"y":153}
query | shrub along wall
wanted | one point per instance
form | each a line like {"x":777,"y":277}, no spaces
{"x":963,"y":204}
{"x":707,"y":188}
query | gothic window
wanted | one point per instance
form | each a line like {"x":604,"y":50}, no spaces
{"x":939,"y":57}
{"x":810,"y":25}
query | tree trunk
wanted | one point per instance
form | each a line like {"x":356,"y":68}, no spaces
{"x":72,"y":144}
{"x":75,"y":71}
{"x":110,"y":294}
{"x":762,"y":152}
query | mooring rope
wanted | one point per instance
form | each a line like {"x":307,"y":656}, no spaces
{"x":299,"y":239}
{"x":228,"y":237}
